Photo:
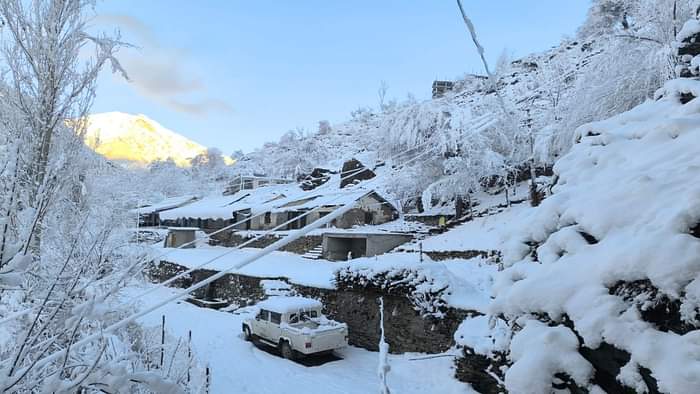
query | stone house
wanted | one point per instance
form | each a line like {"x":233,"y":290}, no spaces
{"x":370,"y":208}
{"x":442,"y":87}
{"x":149,"y":215}
{"x":251,"y":182}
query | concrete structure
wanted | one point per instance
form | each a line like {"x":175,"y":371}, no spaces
{"x":178,"y":236}
{"x":441,"y":87}
{"x":337,"y":246}
{"x":250,"y":182}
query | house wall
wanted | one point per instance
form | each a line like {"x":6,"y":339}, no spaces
{"x":336,"y":247}
{"x":430,"y":220}
{"x":207,"y":225}
{"x":381,"y":244}
{"x":354,"y":217}
{"x":381,"y":211}
{"x":298,"y":246}
{"x":175,"y":239}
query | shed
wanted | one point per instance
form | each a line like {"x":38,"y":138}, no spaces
{"x":442,"y":87}
{"x":178,"y":236}
{"x":149,"y":215}
{"x":339,"y":246}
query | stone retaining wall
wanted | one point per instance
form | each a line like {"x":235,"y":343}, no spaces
{"x":405,"y":329}
{"x":298,"y":246}
{"x":494,"y":255}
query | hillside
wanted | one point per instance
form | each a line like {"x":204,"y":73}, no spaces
{"x":465,"y":131}
{"x":138,"y":139}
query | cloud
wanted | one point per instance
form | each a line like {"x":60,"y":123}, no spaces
{"x":201,"y":107}
{"x":160,"y":73}
{"x":131,"y":24}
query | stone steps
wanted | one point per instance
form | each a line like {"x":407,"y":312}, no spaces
{"x":314,"y":254}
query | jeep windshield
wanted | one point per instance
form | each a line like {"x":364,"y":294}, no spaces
{"x":304,"y":318}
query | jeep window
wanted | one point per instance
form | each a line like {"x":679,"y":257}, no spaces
{"x":294,"y":318}
{"x":263,"y":315}
{"x":309,"y":314}
{"x":275,"y":317}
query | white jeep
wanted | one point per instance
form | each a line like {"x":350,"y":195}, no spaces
{"x":295,"y":326}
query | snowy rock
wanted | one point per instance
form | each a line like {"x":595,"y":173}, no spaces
{"x":352,"y":173}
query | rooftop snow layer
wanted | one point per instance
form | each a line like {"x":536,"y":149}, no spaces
{"x":222,"y":207}
{"x":289,"y":304}
{"x":164,"y":205}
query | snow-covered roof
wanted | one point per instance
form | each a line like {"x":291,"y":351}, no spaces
{"x":690,"y":28}
{"x":164,"y":205}
{"x":331,"y":198}
{"x":289,"y":304}
{"x":223,"y":207}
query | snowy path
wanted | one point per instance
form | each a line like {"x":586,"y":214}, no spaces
{"x":239,"y":366}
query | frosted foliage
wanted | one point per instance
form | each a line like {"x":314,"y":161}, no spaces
{"x":535,"y":360}
{"x":63,"y":211}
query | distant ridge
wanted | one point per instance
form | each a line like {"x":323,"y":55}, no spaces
{"x":138,"y":140}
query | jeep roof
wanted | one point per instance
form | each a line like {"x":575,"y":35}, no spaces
{"x":289,"y":304}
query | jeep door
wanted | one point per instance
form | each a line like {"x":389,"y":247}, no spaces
{"x":273,"y":326}
{"x":262,"y":322}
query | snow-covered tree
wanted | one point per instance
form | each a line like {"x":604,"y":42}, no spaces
{"x":55,"y":190}
{"x":46,"y":83}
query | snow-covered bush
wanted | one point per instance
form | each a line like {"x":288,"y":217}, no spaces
{"x":426,"y":293}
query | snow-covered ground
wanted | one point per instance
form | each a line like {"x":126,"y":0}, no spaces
{"x":238,"y":366}
{"x":484,"y":233}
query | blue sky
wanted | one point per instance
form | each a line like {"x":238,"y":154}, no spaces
{"x":235,"y":74}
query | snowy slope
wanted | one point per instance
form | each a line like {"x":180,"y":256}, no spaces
{"x":138,"y":139}
{"x":621,"y":216}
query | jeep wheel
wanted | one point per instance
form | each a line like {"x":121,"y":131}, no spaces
{"x":287,"y":351}
{"x":246,"y":334}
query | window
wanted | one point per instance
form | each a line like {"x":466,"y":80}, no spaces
{"x":268,"y":218}
{"x":248,"y":184}
{"x":263,"y":315}
{"x":275,"y":317}
{"x":306,"y":315}
{"x":294,"y":318}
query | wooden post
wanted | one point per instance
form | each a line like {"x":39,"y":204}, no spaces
{"x":208,"y":380}
{"x":162,"y":342}
{"x":189,"y":354}
{"x":420,"y":248}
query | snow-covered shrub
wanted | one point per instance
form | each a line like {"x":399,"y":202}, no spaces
{"x":426,"y":293}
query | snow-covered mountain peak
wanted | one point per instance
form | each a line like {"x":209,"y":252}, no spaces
{"x":138,"y":139}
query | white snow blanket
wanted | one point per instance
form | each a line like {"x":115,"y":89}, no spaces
{"x":632,"y":182}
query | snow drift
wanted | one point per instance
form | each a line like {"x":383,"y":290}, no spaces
{"x":622,"y":214}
